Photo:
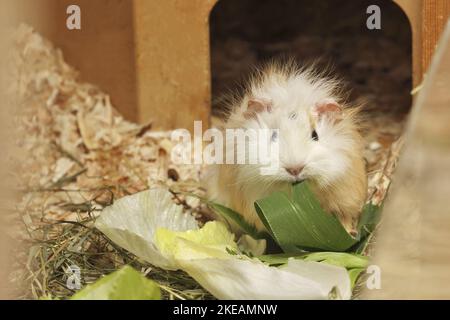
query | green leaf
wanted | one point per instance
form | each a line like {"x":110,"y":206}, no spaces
{"x":212,"y":240}
{"x":123,"y":284}
{"x":131,"y":222}
{"x":354,"y":274}
{"x":354,"y":263}
{"x":342,"y":259}
{"x":243,"y":278}
{"x":297,"y":222}
{"x":278,"y":259}
{"x":370,"y":217}
{"x":231,"y":215}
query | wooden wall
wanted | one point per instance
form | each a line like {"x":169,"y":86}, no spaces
{"x":103,"y":51}
{"x":153,"y":56}
{"x":173,"y":64}
{"x":427,"y":18}
{"x":412,"y":246}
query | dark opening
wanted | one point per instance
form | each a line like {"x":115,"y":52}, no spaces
{"x":375,"y":63}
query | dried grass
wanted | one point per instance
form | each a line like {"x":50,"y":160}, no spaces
{"x":75,"y":155}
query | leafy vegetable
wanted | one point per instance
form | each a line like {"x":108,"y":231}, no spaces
{"x":297,"y":222}
{"x":354,"y":263}
{"x":342,"y":259}
{"x":152,"y":227}
{"x":231,"y":215}
{"x":213,"y":240}
{"x":123,"y":284}
{"x":131,"y":222}
{"x":251,"y":279}
{"x":354,"y":274}
{"x":217,"y":264}
{"x":346,"y":260}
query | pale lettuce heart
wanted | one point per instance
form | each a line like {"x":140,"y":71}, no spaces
{"x":131,"y":222}
{"x":237,"y":279}
{"x":211,"y":257}
{"x":152,"y":227}
{"x":212,"y":240}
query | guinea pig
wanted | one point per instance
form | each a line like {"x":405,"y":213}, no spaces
{"x":318,"y":140}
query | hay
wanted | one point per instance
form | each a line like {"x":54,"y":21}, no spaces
{"x":76,"y":154}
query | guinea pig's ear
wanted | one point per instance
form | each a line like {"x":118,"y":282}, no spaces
{"x":257,"y":105}
{"x":329,"y":109}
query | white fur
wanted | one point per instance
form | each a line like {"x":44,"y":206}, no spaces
{"x":325,"y":161}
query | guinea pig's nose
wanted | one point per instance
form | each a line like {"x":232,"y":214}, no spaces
{"x":295,"y":170}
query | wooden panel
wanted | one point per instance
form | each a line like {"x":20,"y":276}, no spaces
{"x":413,"y":245}
{"x":435,"y":14}
{"x":172,"y":44}
{"x":103,"y":50}
{"x":151,"y":56}
{"x":413,"y":10}
{"x":427,"y":18}
{"x":7,"y":15}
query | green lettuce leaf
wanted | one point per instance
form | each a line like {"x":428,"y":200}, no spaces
{"x":123,"y":284}
{"x":149,"y":225}
{"x":354,"y":263}
{"x":213,"y":259}
{"x":213,"y":240}
{"x":240,"y":277}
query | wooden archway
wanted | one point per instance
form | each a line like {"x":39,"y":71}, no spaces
{"x":153,"y":56}
{"x":174,"y":78}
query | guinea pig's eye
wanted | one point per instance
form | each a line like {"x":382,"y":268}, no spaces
{"x":314,"y":135}
{"x":274,"y":136}
{"x":293,"y":116}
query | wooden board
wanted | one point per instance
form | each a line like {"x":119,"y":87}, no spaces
{"x":435,"y":14}
{"x":427,"y":19}
{"x":173,"y":62}
{"x":153,"y":56}
{"x":413,"y":245}
{"x":103,"y":50}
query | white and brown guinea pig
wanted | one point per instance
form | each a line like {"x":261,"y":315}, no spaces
{"x":318,"y":141}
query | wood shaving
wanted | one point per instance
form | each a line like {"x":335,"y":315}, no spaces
{"x":74,"y":147}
